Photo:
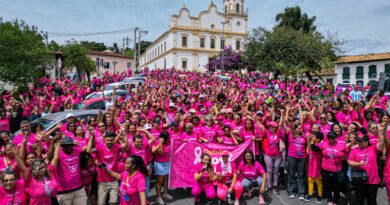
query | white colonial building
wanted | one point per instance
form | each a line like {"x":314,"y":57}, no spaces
{"x":361,"y":69}
{"x":190,"y":41}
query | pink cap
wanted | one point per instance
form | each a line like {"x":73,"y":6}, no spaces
{"x":219,"y":118}
{"x":229,"y":110}
{"x":274,"y":124}
{"x":225,"y":153}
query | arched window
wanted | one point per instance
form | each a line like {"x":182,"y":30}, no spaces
{"x":184,"y":41}
{"x":372,"y":71}
{"x":202,"y":44}
{"x":212,"y":43}
{"x":165,"y":46}
{"x":237,"y":8}
{"x":359,"y":72}
{"x":184,"y":64}
{"x":238,"y":45}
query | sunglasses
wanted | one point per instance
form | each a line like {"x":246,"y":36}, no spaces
{"x":101,"y":126}
{"x":323,"y":118}
{"x":9,"y":180}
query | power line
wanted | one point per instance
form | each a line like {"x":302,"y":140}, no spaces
{"x":54,"y":34}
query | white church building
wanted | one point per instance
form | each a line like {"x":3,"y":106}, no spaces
{"x":190,"y":41}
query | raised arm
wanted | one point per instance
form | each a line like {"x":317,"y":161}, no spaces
{"x":20,"y":162}
{"x":56,"y":155}
{"x":113,"y":174}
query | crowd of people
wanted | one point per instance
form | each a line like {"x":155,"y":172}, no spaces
{"x":314,"y":140}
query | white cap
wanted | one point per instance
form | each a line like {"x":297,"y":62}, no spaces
{"x":201,"y":96}
{"x":171,"y":104}
{"x":147,"y":126}
{"x":69,"y":115}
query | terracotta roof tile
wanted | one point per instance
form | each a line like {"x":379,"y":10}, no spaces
{"x":363,"y":58}
{"x":98,"y":53}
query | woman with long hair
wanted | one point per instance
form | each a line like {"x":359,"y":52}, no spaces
{"x":162,"y":152}
{"x":204,"y":179}
{"x":253,"y":175}
{"x":132,"y":187}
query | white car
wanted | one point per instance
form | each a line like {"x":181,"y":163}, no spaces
{"x":122,"y":85}
{"x":134,"y":79}
{"x":107,"y":93}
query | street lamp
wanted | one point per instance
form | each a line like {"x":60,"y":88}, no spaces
{"x":114,"y":63}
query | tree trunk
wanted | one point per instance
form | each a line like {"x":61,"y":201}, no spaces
{"x":309,"y":75}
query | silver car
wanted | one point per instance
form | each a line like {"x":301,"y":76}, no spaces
{"x":107,"y":93}
{"x":49,"y":121}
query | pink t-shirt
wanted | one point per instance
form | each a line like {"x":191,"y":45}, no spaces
{"x":370,"y":165}
{"x":227,"y":140}
{"x":192,"y":137}
{"x":227,"y":171}
{"x":86,"y":176}
{"x":272,"y":146}
{"x":140,"y":152}
{"x":252,"y":172}
{"x":8,"y":197}
{"x":332,"y":156}
{"x":208,"y":133}
{"x":18,"y":140}
{"x":131,"y":186}
{"x":40,"y":191}
{"x":205,"y":177}
{"x":314,"y":165}
{"x":246,"y":135}
{"x":68,"y":170}
{"x":297,"y":146}
{"x":108,"y":157}
{"x":165,"y":157}
{"x":4,"y":124}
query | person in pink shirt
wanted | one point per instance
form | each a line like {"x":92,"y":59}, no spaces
{"x":12,"y":190}
{"x":108,"y":153}
{"x":296,"y":159}
{"x":208,"y":132}
{"x":333,"y":153}
{"x":39,"y":182}
{"x":372,"y":128}
{"x":365,"y":158}
{"x":88,"y":176}
{"x":227,"y":175}
{"x":252,"y":174}
{"x":189,"y":134}
{"x":204,"y":179}
{"x":273,"y":151}
{"x":25,"y":127}
{"x":162,"y":151}
{"x":8,"y":160}
{"x":314,"y":167}
{"x":228,"y":137}
{"x":132,"y":181}
{"x":4,"y":121}
{"x":66,"y":164}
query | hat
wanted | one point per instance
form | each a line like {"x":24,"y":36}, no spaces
{"x":156,"y":120}
{"x":171,"y":104}
{"x":192,"y":110}
{"x":259,"y":112}
{"x":362,"y":138}
{"x":66,"y":141}
{"x":147,"y":126}
{"x":187,"y":102}
{"x":203,"y":111}
{"x":174,"y":124}
{"x":201,"y":96}
{"x":154,"y":104}
{"x":235,"y":109}
{"x":220,"y":118}
{"x":223,"y":111}
{"x":137,"y":111}
{"x":225,"y":153}
{"x":274,"y":124}
{"x":69,"y":115}
{"x":229,"y":110}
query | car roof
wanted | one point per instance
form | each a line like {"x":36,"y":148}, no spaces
{"x":58,"y":116}
{"x":91,"y":100}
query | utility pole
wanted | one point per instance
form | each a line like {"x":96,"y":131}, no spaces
{"x":123,"y":47}
{"x":135,"y":47}
{"x":47,"y":39}
{"x":125,"y":43}
{"x":139,"y":46}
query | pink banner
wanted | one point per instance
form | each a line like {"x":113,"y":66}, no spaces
{"x":186,"y":155}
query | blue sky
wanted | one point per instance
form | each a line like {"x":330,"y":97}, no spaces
{"x":362,"y":24}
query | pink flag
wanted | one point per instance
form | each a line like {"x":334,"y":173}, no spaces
{"x":187,"y":154}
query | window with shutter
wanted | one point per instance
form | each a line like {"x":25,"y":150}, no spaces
{"x":359,"y":72}
{"x":346,"y":73}
{"x":387,"y":70}
{"x":372,"y":71}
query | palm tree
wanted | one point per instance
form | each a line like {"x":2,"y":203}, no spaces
{"x":293,"y":17}
{"x":75,"y":56}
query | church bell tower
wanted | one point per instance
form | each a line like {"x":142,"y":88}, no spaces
{"x":235,"y":7}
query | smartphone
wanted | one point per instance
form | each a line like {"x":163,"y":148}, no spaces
{"x":102,"y":165}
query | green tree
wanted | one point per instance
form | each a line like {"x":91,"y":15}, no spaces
{"x":115,"y":48}
{"x":93,"y":46}
{"x":284,"y":48}
{"x":91,"y":68}
{"x":23,"y":55}
{"x":294,"y":18}
{"x":54,"y":46}
{"x":76,"y":56}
